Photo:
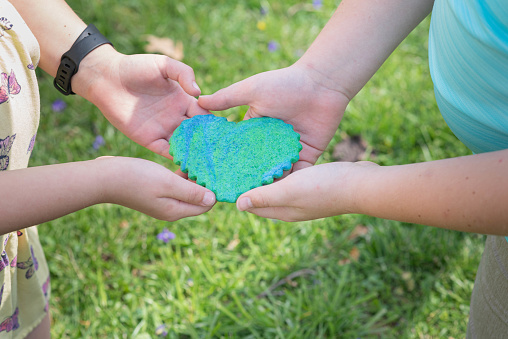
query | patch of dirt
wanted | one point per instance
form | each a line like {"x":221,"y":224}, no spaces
{"x":350,"y":149}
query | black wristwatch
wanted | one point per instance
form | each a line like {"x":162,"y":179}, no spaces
{"x":87,"y":41}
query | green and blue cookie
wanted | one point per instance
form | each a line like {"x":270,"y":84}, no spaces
{"x":231,"y":158}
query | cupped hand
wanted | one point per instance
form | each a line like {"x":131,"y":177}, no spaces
{"x":145,"y":96}
{"x":311,"y":193}
{"x":293,"y":95}
{"x":152,"y":189}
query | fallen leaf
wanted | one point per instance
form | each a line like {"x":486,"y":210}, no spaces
{"x":85,"y":323}
{"x":124,"y":224}
{"x":406,"y":275}
{"x":354,"y":254}
{"x":410,"y":282}
{"x":398,"y":291}
{"x":287,"y":280}
{"x":343,"y":262}
{"x":232,"y":244}
{"x":291,"y":283}
{"x":358,"y":231}
{"x":164,"y":46}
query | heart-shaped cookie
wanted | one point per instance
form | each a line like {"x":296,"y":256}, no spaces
{"x":231,"y":158}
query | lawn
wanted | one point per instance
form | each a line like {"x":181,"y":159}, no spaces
{"x":228,"y":274}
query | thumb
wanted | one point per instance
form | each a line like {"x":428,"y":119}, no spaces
{"x":191,"y":193}
{"x":180,"y":72}
{"x":272,"y":195}
{"x":237,"y":94}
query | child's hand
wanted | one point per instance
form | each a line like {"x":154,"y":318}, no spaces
{"x":315,"y":192}
{"x":152,"y":189}
{"x":296,"y":95}
{"x":145,"y":96}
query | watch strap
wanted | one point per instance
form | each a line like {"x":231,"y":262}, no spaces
{"x":89,"y":30}
{"x":88,"y":40}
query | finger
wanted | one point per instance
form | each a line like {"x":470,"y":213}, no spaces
{"x":272,"y":195}
{"x":161,"y":147}
{"x":300,"y":165}
{"x":195,"y":109}
{"x":181,"y":174}
{"x":182,"y":210}
{"x":251,"y":114}
{"x":279,"y":213}
{"x":284,"y":174}
{"x":191,"y":193}
{"x":237,"y":94}
{"x":180,"y":72}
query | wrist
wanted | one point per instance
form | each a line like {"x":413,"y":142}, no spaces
{"x":107,"y":173}
{"x":322,"y":80}
{"x":361,"y":187}
{"x":97,"y":65}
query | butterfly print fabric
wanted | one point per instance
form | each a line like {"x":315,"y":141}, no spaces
{"x":31,"y":265}
{"x":5,"y":148}
{"x":32,"y":143}
{"x":5,"y":25}
{"x":24,"y":283}
{"x":9,"y":86}
{"x":11,"y":323}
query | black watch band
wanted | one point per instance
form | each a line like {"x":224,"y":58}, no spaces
{"x":87,"y":41}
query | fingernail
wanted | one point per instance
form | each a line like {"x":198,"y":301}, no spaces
{"x":244,"y":204}
{"x":195,"y":85}
{"x":208,"y":199}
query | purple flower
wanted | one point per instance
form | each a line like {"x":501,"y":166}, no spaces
{"x":317,"y":4}
{"x":166,"y":235}
{"x":273,"y":46}
{"x":99,"y":141}
{"x":161,"y":331}
{"x":263,"y":10}
{"x":58,"y":105}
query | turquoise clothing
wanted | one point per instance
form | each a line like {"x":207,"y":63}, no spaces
{"x":468,"y":58}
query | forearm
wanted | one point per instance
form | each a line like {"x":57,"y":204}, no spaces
{"x":466,"y":194}
{"x":359,"y":38}
{"x":54,"y":24}
{"x":39,"y":194}
{"x":56,"y":37}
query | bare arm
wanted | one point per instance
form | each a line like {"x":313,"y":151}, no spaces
{"x":39,"y":194}
{"x":54,"y":24}
{"x":358,"y":38}
{"x":145,"y":96}
{"x":467,"y":193}
{"x":313,"y":94}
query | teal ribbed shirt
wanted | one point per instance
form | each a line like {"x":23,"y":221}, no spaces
{"x":468,"y":55}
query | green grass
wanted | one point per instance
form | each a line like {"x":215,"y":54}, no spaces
{"x":111,"y":277}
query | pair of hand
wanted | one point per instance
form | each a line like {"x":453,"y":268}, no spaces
{"x":147,"y":96}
